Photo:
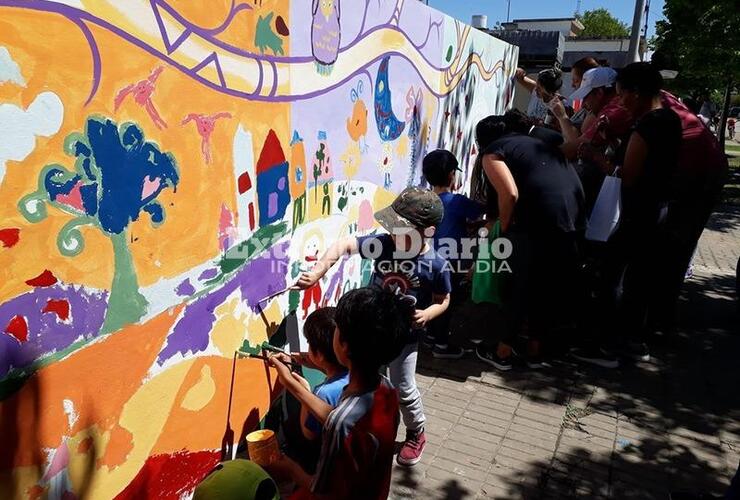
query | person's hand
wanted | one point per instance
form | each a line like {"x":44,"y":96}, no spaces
{"x":520,"y":74}
{"x":302,"y":358}
{"x":278,"y":361}
{"x":421,"y":318}
{"x":306,"y":280}
{"x":557,"y":108}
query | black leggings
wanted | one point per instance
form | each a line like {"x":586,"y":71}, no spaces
{"x":540,"y":295}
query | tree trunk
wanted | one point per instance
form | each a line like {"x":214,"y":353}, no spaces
{"x":125,"y":304}
{"x":725,"y":113}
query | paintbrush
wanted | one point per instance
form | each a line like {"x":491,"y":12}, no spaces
{"x":242,"y":354}
{"x":276,"y":294}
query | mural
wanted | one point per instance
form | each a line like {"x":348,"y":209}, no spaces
{"x":166,"y":169}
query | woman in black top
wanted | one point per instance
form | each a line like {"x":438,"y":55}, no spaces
{"x":650,"y":162}
{"x":538,"y":199}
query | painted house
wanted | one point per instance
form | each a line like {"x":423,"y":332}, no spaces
{"x":273,"y":189}
{"x":244,"y":174}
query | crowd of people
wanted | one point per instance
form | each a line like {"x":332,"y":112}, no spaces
{"x":534,"y":188}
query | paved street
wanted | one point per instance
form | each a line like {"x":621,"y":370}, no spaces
{"x":574,"y":432}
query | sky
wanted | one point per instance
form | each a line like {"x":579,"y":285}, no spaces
{"x":525,"y":9}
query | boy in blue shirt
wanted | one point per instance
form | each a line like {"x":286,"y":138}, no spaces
{"x":319,"y":332}
{"x":440,"y":169}
{"x":405,"y":263}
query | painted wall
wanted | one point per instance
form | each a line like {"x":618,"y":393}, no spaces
{"x":164,"y":166}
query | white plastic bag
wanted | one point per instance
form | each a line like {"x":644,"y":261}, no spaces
{"x":607,"y":209}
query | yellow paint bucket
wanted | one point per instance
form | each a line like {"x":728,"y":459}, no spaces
{"x":263,"y":447}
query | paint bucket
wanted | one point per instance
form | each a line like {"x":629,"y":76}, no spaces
{"x":263,"y":447}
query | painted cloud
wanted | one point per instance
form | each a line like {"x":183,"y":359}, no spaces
{"x":19,"y":128}
{"x":9,"y":69}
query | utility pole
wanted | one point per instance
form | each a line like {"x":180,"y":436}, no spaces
{"x":634,"y":50}
{"x":508,"y":11}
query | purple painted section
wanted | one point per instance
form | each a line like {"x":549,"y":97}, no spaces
{"x":335,"y":281}
{"x":185,"y":289}
{"x":258,"y":279}
{"x":95,"y":53}
{"x":208,"y":274}
{"x":272,"y":205}
{"x":46,"y":333}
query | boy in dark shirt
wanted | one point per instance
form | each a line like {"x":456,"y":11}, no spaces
{"x":359,"y":434}
{"x":407,"y":264}
{"x":440,"y":169}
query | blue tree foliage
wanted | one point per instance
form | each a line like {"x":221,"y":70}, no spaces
{"x":118,"y":174}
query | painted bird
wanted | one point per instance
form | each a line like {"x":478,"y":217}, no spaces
{"x":205,"y":126}
{"x":142,"y":92}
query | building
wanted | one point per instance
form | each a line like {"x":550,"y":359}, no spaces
{"x":556,"y":42}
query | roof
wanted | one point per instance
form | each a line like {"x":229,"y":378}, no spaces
{"x":534,"y":46}
{"x":614,"y":58}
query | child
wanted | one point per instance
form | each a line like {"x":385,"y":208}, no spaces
{"x":405,"y":263}
{"x":319,"y":333}
{"x":359,"y":435}
{"x":440,"y":168}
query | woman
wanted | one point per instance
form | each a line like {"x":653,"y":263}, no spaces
{"x":537,"y":198}
{"x":581,"y":119}
{"x":544,"y":89}
{"x":650,"y":164}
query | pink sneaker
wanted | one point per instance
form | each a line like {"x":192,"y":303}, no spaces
{"x":412,"y":448}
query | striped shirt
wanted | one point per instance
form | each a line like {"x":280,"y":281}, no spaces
{"x":358,"y":444}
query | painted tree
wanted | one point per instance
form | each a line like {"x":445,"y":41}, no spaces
{"x":117,"y":175}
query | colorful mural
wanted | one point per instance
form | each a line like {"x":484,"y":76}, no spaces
{"x":166,"y":168}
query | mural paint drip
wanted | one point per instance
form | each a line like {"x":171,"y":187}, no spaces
{"x":229,"y":144}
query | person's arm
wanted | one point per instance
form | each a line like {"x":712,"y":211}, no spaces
{"x":297,"y":386}
{"x":500,"y":177}
{"x":634,"y":160}
{"x":340,"y":248}
{"x":527,"y":82}
{"x":440,"y":305}
{"x":570,"y":132}
{"x":308,"y":433}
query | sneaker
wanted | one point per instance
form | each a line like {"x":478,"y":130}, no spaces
{"x":447,"y":351}
{"x":638,"y":351}
{"x":412,"y":448}
{"x":595,"y":356}
{"x":490,"y":357}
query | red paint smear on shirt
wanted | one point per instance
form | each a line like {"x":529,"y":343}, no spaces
{"x":10,"y":236}
{"x":169,"y":476}
{"x":46,"y":278}
{"x":59,"y":307}
{"x":18,"y":328}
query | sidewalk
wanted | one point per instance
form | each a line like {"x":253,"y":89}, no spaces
{"x":574,"y":432}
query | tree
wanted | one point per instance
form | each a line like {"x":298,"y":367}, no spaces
{"x":117,"y":174}
{"x":600,"y":23}
{"x":700,"y":40}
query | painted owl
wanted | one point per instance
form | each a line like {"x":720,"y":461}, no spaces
{"x":325,"y":34}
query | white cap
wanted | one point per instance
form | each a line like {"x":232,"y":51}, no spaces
{"x":594,"y":79}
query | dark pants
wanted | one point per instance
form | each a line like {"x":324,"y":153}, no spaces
{"x":439,"y":328}
{"x":540,"y":293}
{"x":628,"y":279}
{"x":695,"y":199}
